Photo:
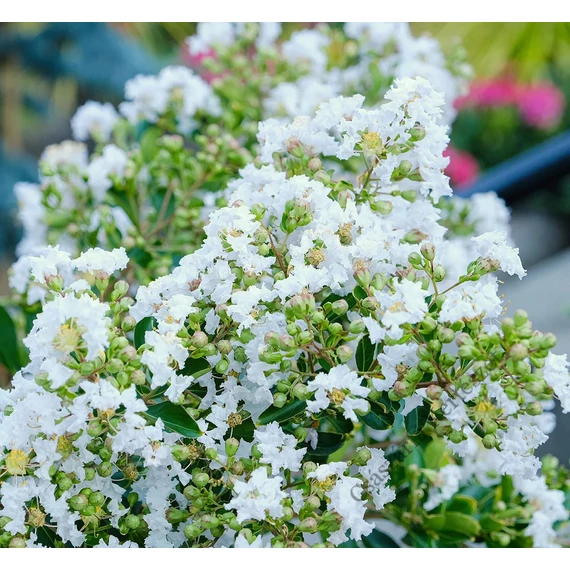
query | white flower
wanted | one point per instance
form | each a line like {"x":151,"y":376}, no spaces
{"x":257,"y":498}
{"x":97,"y":259}
{"x":94,"y":120}
{"x":278,"y":449}
{"x":340,"y":386}
{"x":112,"y":162}
{"x":557,"y":377}
{"x":446,"y":484}
{"x":494,"y":245}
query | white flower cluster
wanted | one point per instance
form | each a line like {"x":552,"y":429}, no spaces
{"x":327,"y":310}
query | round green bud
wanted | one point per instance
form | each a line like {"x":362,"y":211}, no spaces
{"x":301,"y":392}
{"x":344,"y":353}
{"x":534,"y":409}
{"x":428,"y":251}
{"x":105,"y":469}
{"x":357,"y":327}
{"x":279,"y":400}
{"x":132,"y":522}
{"x":490,"y":441}
{"x":339,"y":307}
{"x":518,"y":351}
{"x":200,"y":479}
{"x":222,"y":366}
{"x":192,"y":531}
{"x":362,"y":456}
{"x":309,"y":525}
{"x":232,"y":446}
{"x":78,"y":502}
{"x":97,"y":499}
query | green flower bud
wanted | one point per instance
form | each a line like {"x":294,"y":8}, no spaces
{"x":78,"y":502}
{"x":409,"y":195}
{"x":97,"y":499}
{"x":65,"y":483}
{"x":434,"y":392}
{"x":428,"y":251}
{"x":301,"y":433}
{"x":383,"y":207}
{"x":105,"y":469}
{"x":315,"y":164}
{"x":362,"y":457}
{"x":414,"y":236}
{"x":344,"y":353}
{"x":357,"y":326}
{"x":200,"y":479}
{"x":232,"y":446}
{"x":339,"y":307}
{"x":175,"y":516}
{"x":17,"y":542}
{"x":439,"y":273}
{"x":363,"y":277}
{"x":192,"y":531}
{"x":518,"y":351}
{"x":490,"y":441}
{"x":279,"y":400}
{"x":222,"y":366}
{"x":309,"y":467}
{"x":308,"y":525}
{"x":89,"y":474}
{"x":534,"y":409}
{"x":199,"y":339}
{"x":415,"y":260}
{"x":301,"y":392}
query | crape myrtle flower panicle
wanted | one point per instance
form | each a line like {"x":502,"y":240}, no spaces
{"x":326,"y":357}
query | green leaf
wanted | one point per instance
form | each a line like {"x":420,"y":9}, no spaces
{"x":364,"y":354}
{"x":462,"y":504}
{"x":175,"y":419}
{"x":507,"y":488}
{"x":146,"y":324}
{"x":9,"y":349}
{"x":491,"y":524}
{"x":377,"y":539}
{"x":461,"y":523}
{"x":290,"y":410}
{"x":336,"y":424}
{"x":417,"y":418}
{"x":378,"y":417}
{"x":195,"y":367}
{"x":244,"y":430}
{"x":148,"y":142}
{"x":435,"y":454}
{"x":328,"y":443}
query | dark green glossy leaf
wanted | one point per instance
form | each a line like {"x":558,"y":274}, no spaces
{"x":417,"y":418}
{"x":195,"y":367}
{"x":144,"y":325}
{"x":288,"y":411}
{"x":377,"y":539}
{"x":378,"y":417}
{"x":328,"y":443}
{"x":9,"y":349}
{"x":364,"y":354}
{"x":175,"y":419}
{"x":244,"y":430}
{"x":336,"y":424}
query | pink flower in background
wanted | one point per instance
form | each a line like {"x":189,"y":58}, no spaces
{"x":541,"y":105}
{"x":462,"y":167}
{"x":194,"y":60}
{"x":489,"y":93}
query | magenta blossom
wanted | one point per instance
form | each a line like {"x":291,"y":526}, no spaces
{"x":462,"y":167}
{"x":541,"y":105}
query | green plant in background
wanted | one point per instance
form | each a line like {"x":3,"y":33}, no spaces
{"x":529,"y":49}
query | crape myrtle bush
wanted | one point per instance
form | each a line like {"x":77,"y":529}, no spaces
{"x":329,"y":360}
